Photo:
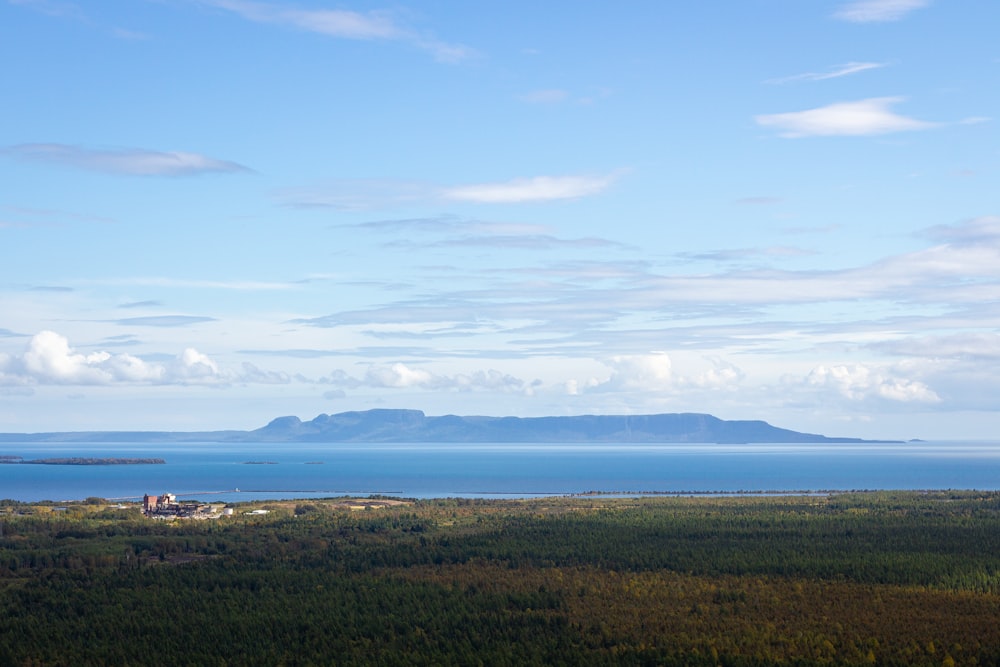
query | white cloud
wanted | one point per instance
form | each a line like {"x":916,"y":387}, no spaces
{"x":645,"y":372}
{"x":400,"y":376}
{"x":723,"y":375}
{"x":342,"y":24}
{"x":858,"y":382}
{"x":864,"y":117}
{"x":362,"y":194}
{"x":837,"y":72}
{"x":878,"y":11}
{"x":193,"y":365}
{"x":49,"y":359}
{"x":655,"y":373}
{"x":128,"y":161}
{"x":254,"y":375}
{"x":628,"y":306}
{"x":642,"y":371}
{"x":576,"y":388}
{"x":539,"y":188}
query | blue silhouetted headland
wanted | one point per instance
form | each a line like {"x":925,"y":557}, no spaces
{"x":386,"y":425}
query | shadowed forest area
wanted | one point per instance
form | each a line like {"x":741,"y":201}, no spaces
{"x":884,"y":578}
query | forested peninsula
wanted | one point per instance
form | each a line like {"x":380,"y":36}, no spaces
{"x":388,"y":425}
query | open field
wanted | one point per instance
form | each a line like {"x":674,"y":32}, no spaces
{"x":850,"y":579}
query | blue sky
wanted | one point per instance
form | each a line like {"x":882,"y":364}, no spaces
{"x":214,"y":212}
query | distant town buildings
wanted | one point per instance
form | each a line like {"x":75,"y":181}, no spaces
{"x":167,"y":507}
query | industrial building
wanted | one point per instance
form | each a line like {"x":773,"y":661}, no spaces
{"x":167,"y":507}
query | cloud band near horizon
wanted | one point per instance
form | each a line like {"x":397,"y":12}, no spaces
{"x":122,"y":161}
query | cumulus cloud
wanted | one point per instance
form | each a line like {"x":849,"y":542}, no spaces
{"x":399,"y":376}
{"x":864,"y":117}
{"x":632,"y":372}
{"x":254,"y":375}
{"x":643,"y":371}
{"x":877,"y":11}
{"x":128,"y":161}
{"x":722,"y":375}
{"x":655,"y":373}
{"x":343,"y":24}
{"x":858,"y":382}
{"x":193,"y":365}
{"x":49,"y":359}
{"x":539,"y":188}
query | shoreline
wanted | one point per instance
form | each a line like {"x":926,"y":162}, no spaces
{"x":526,"y":495}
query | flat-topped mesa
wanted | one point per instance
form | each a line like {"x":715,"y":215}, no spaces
{"x":389,"y":425}
{"x":384,"y":425}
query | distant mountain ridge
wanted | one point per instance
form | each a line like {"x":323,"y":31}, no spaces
{"x":391,"y":425}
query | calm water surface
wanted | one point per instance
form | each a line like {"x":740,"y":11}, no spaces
{"x":213,"y":471}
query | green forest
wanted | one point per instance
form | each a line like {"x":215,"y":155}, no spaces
{"x":877,"y":578}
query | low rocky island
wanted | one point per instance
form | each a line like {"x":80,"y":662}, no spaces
{"x":84,"y":461}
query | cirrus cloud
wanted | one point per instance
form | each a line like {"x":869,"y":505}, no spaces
{"x":539,"y":188}
{"x":361,"y":194}
{"x":838,"y":71}
{"x":877,"y":11}
{"x":343,"y":24}
{"x":126,"y":161}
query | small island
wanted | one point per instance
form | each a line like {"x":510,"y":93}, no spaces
{"x":87,"y":461}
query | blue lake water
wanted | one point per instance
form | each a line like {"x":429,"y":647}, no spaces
{"x":213,"y":471}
